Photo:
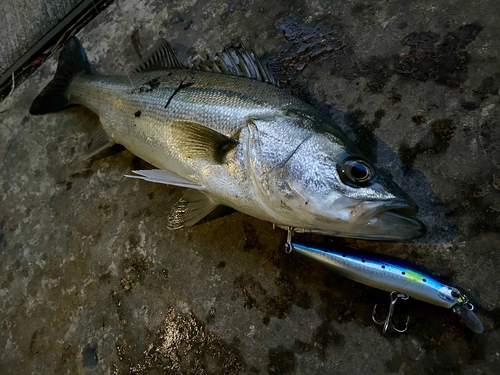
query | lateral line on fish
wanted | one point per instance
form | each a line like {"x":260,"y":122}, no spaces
{"x":181,"y":86}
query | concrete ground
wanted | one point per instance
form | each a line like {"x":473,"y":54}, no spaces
{"x":91,"y":282}
{"x":25,"y":22}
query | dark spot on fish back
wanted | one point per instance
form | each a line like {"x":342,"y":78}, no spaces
{"x":137,"y":114}
{"x":145,"y":88}
{"x":150,"y":85}
{"x":154,"y":83}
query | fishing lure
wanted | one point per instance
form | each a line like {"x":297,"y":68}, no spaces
{"x":389,"y":275}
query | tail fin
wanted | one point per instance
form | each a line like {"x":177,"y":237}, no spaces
{"x":72,"y":61}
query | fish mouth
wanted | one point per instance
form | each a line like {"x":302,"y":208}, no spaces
{"x":391,"y":221}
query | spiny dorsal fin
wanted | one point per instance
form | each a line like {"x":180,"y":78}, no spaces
{"x":238,"y":61}
{"x":161,"y":56}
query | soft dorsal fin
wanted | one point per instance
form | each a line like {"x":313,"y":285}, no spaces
{"x":161,"y":56}
{"x":238,"y":61}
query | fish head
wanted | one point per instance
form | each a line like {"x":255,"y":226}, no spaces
{"x":316,"y":180}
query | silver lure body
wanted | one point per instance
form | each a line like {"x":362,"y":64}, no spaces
{"x":383,"y":274}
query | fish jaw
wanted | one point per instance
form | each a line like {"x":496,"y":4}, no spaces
{"x":369,"y":220}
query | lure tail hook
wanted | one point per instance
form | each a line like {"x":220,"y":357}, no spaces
{"x":388,"y":320}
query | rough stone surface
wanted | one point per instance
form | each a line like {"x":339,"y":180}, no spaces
{"x":92,"y":283}
{"x":25,"y":22}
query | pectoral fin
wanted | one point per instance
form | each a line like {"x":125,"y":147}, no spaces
{"x":200,"y":142}
{"x":191,"y":208}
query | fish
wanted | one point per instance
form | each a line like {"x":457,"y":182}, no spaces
{"x":393,"y":276}
{"x":231,"y":136}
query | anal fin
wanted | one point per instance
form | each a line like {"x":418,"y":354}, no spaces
{"x":191,"y":208}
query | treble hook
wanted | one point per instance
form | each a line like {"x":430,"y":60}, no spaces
{"x":288,"y":244}
{"x":388,"y":320}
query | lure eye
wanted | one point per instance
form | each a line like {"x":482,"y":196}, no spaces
{"x":356,"y":172}
{"x":455,"y":294}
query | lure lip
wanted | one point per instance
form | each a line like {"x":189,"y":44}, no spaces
{"x":465,"y":311}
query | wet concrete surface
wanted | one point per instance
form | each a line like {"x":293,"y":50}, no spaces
{"x":93,"y":283}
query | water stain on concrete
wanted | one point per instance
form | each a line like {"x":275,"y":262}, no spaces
{"x":438,"y":140}
{"x":445,"y":62}
{"x":281,"y":361}
{"x":89,"y":355}
{"x":255,"y":296}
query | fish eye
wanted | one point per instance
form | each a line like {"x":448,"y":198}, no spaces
{"x":356,"y":172}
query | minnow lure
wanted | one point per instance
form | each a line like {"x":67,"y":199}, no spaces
{"x":397,"y":278}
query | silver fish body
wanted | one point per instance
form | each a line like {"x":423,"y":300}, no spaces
{"x":228,"y":109}
{"x":241,"y":143}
